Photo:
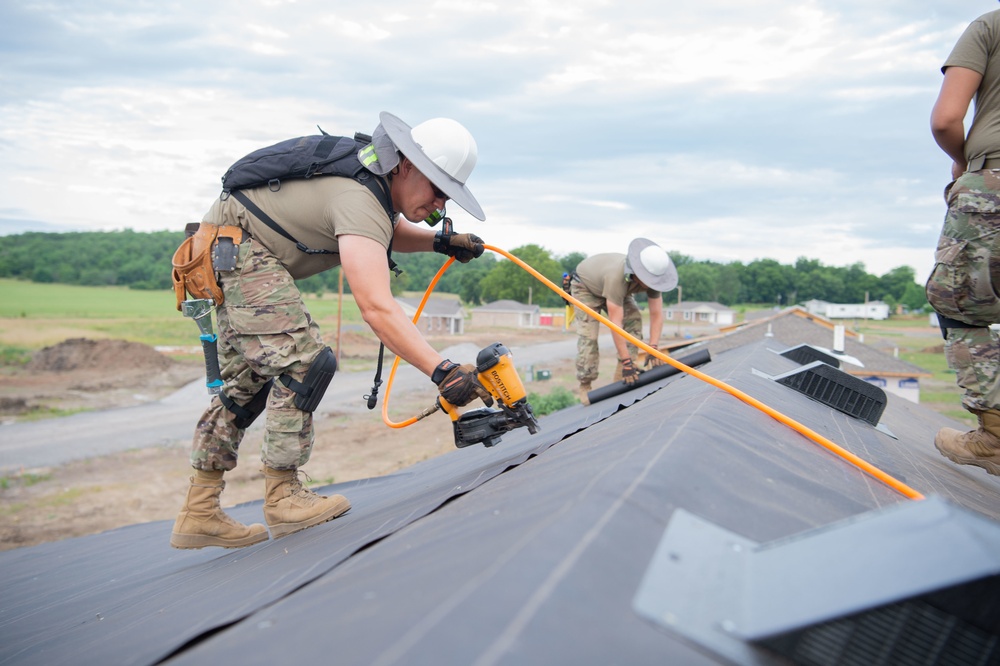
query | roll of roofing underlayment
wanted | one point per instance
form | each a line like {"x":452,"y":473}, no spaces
{"x":693,"y":360}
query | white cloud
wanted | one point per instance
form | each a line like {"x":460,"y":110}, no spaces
{"x":719,"y":126}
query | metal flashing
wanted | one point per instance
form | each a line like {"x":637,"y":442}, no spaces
{"x":837,"y":587}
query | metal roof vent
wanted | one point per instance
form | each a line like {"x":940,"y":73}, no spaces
{"x":914,"y":583}
{"x":803,"y":354}
{"x":835,"y":388}
{"x":954,"y":626}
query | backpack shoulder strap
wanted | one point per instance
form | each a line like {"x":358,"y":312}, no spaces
{"x":266,"y":219}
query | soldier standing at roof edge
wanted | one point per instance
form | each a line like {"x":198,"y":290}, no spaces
{"x":266,"y":333}
{"x":608,"y":282}
{"x":965,"y":280}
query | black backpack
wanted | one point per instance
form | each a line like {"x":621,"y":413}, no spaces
{"x":303,"y":157}
{"x":306,"y":157}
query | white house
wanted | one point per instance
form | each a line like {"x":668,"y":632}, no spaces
{"x":699,"y":312}
{"x":870,"y":310}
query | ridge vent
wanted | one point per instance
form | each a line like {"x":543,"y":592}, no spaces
{"x":835,"y":388}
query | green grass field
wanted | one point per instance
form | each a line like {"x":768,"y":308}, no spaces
{"x":34,"y":315}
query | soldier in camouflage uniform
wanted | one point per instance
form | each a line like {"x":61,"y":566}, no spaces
{"x":608,"y":282}
{"x":964,"y":283}
{"x":269,"y":346}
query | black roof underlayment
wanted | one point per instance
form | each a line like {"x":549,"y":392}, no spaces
{"x":637,"y":530}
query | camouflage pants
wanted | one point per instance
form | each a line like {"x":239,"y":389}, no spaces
{"x":963,"y":285}
{"x":264,"y":331}
{"x":588,"y":328}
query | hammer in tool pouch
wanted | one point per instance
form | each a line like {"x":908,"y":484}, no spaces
{"x":200,"y":309}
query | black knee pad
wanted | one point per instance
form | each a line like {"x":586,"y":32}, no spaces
{"x":249,"y":412}
{"x":312,"y":387}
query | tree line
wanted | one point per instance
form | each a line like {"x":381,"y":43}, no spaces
{"x":141,"y":260}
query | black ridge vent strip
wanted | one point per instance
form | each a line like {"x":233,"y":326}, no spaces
{"x":837,"y":389}
{"x":803,"y":354}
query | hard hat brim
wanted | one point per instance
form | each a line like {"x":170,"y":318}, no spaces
{"x":402,"y":139}
{"x":665,"y":282}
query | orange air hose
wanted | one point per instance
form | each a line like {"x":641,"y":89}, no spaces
{"x":843,"y":453}
{"x":392,"y":373}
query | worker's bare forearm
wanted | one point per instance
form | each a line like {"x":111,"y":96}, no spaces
{"x":403,"y":339}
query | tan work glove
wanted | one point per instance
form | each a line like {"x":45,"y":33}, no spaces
{"x":629,"y":372}
{"x":464,"y":247}
{"x":653,"y":361}
{"x":459,"y":385}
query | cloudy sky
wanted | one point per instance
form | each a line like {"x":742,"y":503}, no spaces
{"x":723,"y":129}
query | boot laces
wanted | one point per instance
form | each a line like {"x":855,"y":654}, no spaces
{"x":300,"y":490}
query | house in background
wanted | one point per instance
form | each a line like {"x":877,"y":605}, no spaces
{"x":506,"y":314}
{"x":871,"y":310}
{"x":795,"y":325}
{"x":441,"y":316}
{"x":698,"y":312}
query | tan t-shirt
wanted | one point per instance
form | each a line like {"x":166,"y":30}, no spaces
{"x":604,"y":275}
{"x":315,"y":212}
{"x":978,"y":49}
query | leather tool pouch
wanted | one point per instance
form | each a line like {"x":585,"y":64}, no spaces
{"x":193,"y":269}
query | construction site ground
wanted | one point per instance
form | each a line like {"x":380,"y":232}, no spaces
{"x":147,"y":484}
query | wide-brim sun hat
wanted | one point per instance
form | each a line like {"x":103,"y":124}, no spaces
{"x":440,"y":148}
{"x":651,"y":264}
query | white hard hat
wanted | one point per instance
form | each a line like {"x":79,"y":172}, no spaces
{"x":651,"y":264}
{"x":441,"y":149}
{"x":449,"y":145}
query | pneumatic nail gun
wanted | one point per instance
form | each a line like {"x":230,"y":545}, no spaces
{"x":496,"y":372}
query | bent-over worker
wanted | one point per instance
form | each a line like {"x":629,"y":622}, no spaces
{"x":609,"y":282}
{"x":270,"y":348}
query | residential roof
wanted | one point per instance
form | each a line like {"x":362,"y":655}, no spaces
{"x":505,"y":305}
{"x":699,"y":305}
{"x":447,"y":307}
{"x":796,"y":325}
{"x":817,"y":301}
{"x":552,"y":548}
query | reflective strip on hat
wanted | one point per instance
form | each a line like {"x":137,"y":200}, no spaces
{"x":367,"y":159}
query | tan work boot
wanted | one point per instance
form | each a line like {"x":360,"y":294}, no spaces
{"x":619,"y":371}
{"x":290,"y":507}
{"x":582,"y":392}
{"x":202,"y":522}
{"x":977,"y":447}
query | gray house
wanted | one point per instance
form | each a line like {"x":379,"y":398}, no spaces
{"x":506,"y":314}
{"x":440,"y":316}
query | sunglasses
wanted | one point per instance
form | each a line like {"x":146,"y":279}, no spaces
{"x":438,"y":194}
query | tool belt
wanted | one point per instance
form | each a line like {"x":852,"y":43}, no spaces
{"x":208,"y":248}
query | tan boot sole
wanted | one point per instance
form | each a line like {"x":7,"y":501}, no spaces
{"x":284,"y":529}
{"x":990,"y":466}
{"x":195,"y":541}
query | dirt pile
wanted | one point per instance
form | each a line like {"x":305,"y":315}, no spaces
{"x":107,"y":355}
{"x":82,"y":374}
